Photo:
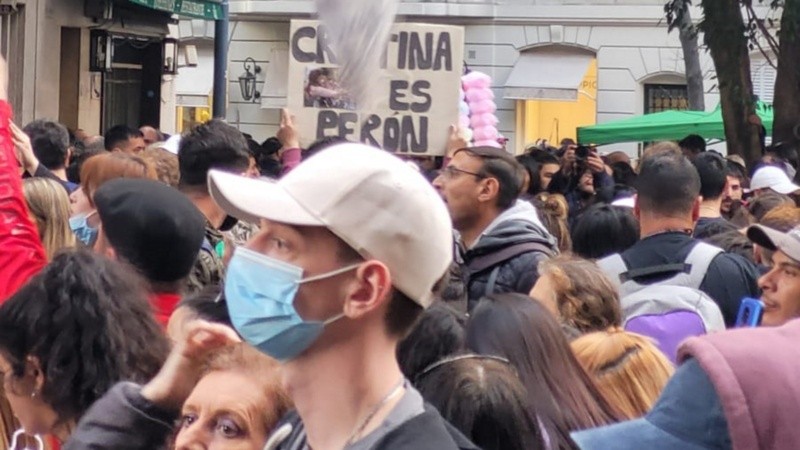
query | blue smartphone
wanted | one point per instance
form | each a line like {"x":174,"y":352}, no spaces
{"x":750,"y":313}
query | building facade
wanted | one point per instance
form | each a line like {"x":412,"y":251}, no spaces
{"x":555,"y":65}
{"x":92,"y":64}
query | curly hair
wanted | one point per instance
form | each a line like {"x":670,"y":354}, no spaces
{"x":584,"y":296}
{"x":88,"y":322}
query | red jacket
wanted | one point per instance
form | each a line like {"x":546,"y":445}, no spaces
{"x":21,"y":253}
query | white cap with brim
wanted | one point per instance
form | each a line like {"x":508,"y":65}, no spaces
{"x":367,"y":197}
{"x":173,"y":144}
{"x":687,"y":416}
{"x":628,"y":202}
{"x":771,"y":239}
{"x":773,"y":178}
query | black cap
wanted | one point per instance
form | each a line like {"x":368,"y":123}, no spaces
{"x":152,"y":226}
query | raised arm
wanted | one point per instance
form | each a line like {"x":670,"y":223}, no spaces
{"x":22,"y":254}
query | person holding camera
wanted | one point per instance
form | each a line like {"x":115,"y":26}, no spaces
{"x":582,"y":177}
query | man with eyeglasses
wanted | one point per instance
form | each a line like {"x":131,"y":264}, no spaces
{"x":499,"y":238}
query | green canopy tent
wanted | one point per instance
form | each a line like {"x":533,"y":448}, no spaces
{"x":667,"y":125}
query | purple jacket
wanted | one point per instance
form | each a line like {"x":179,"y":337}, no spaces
{"x":756,"y":373}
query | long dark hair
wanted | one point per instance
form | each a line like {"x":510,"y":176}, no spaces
{"x":485,"y":400}
{"x":520,"y":329}
{"x":88,"y":322}
{"x":439,"y":333}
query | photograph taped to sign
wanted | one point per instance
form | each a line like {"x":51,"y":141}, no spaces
{"x":323,"y":90}
{"x":419,"y":81}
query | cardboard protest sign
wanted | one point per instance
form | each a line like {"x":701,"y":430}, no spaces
{"x":419,"y":81}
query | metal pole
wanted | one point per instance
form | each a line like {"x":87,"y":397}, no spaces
{"x":221,"y":62}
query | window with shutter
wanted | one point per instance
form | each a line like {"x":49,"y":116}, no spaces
{"x":763,"y":75}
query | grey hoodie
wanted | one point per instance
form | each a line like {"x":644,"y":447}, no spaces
{"x":519,"y":224}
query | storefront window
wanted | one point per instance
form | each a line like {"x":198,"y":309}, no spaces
{"x":190,"y":116}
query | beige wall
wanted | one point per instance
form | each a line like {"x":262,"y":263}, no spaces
{"x":43,"y":64}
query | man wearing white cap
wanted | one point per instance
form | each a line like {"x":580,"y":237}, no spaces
{"x":353,"y":247}
{"x":774,"y":178}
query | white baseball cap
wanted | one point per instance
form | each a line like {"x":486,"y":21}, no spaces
{"x":773,"y":178}
{"x":172,"y":144}
{"x":373,"y":201}
{"x":772,"y":239}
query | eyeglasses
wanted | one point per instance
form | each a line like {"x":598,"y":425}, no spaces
{"x":451,"y":172}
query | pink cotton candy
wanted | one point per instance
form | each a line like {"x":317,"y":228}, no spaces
{"x":477,"y":95}
{"x":482,"y":107}
{"x":483,"y":120}
{"x":485,"y":134}
{"x":463,"y":122}
{"x":476,"y":79}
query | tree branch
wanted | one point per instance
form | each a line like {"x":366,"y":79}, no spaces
{"x":753,"y":18}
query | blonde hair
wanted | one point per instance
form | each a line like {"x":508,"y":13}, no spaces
{"x":553,"y":211}
{"x":109,"y":166}
{"x":584,"y":296}
{"x":48,"y":203}
{"x":165,"y":164}
{"x":628,"y":369}
{"x":265,"y":371}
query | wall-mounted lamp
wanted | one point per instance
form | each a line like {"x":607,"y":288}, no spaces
{"x":247,"y":82}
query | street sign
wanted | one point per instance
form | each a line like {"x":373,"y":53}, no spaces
{"x":199,"y":9}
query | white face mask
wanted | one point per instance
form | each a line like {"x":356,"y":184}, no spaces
{"x":15,"y":445}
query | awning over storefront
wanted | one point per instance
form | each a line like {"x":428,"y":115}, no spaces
{"x":550,"y":73}
{"x":200,"y":9}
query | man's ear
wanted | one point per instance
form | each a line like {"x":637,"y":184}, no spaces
{"x":370,"y":289}
{"x":489,"y":190}
{"x":103,"y":247}
{"x":696,"y":208}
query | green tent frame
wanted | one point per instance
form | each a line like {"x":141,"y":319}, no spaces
{"x":665,"y":126}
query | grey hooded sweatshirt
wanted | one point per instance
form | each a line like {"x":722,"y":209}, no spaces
{"x":504,"y":259}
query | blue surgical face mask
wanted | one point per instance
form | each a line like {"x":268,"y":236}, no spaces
{"x":80,"y":227}
{"x":260,"y":293}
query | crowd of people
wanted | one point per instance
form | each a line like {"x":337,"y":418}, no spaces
{"x":207,"y":291}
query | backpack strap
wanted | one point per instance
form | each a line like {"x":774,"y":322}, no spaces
{"x":492,"y":281}
{"x":484,"y":262}
{"x":699,"y":260}
{"x":662,"y":269}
